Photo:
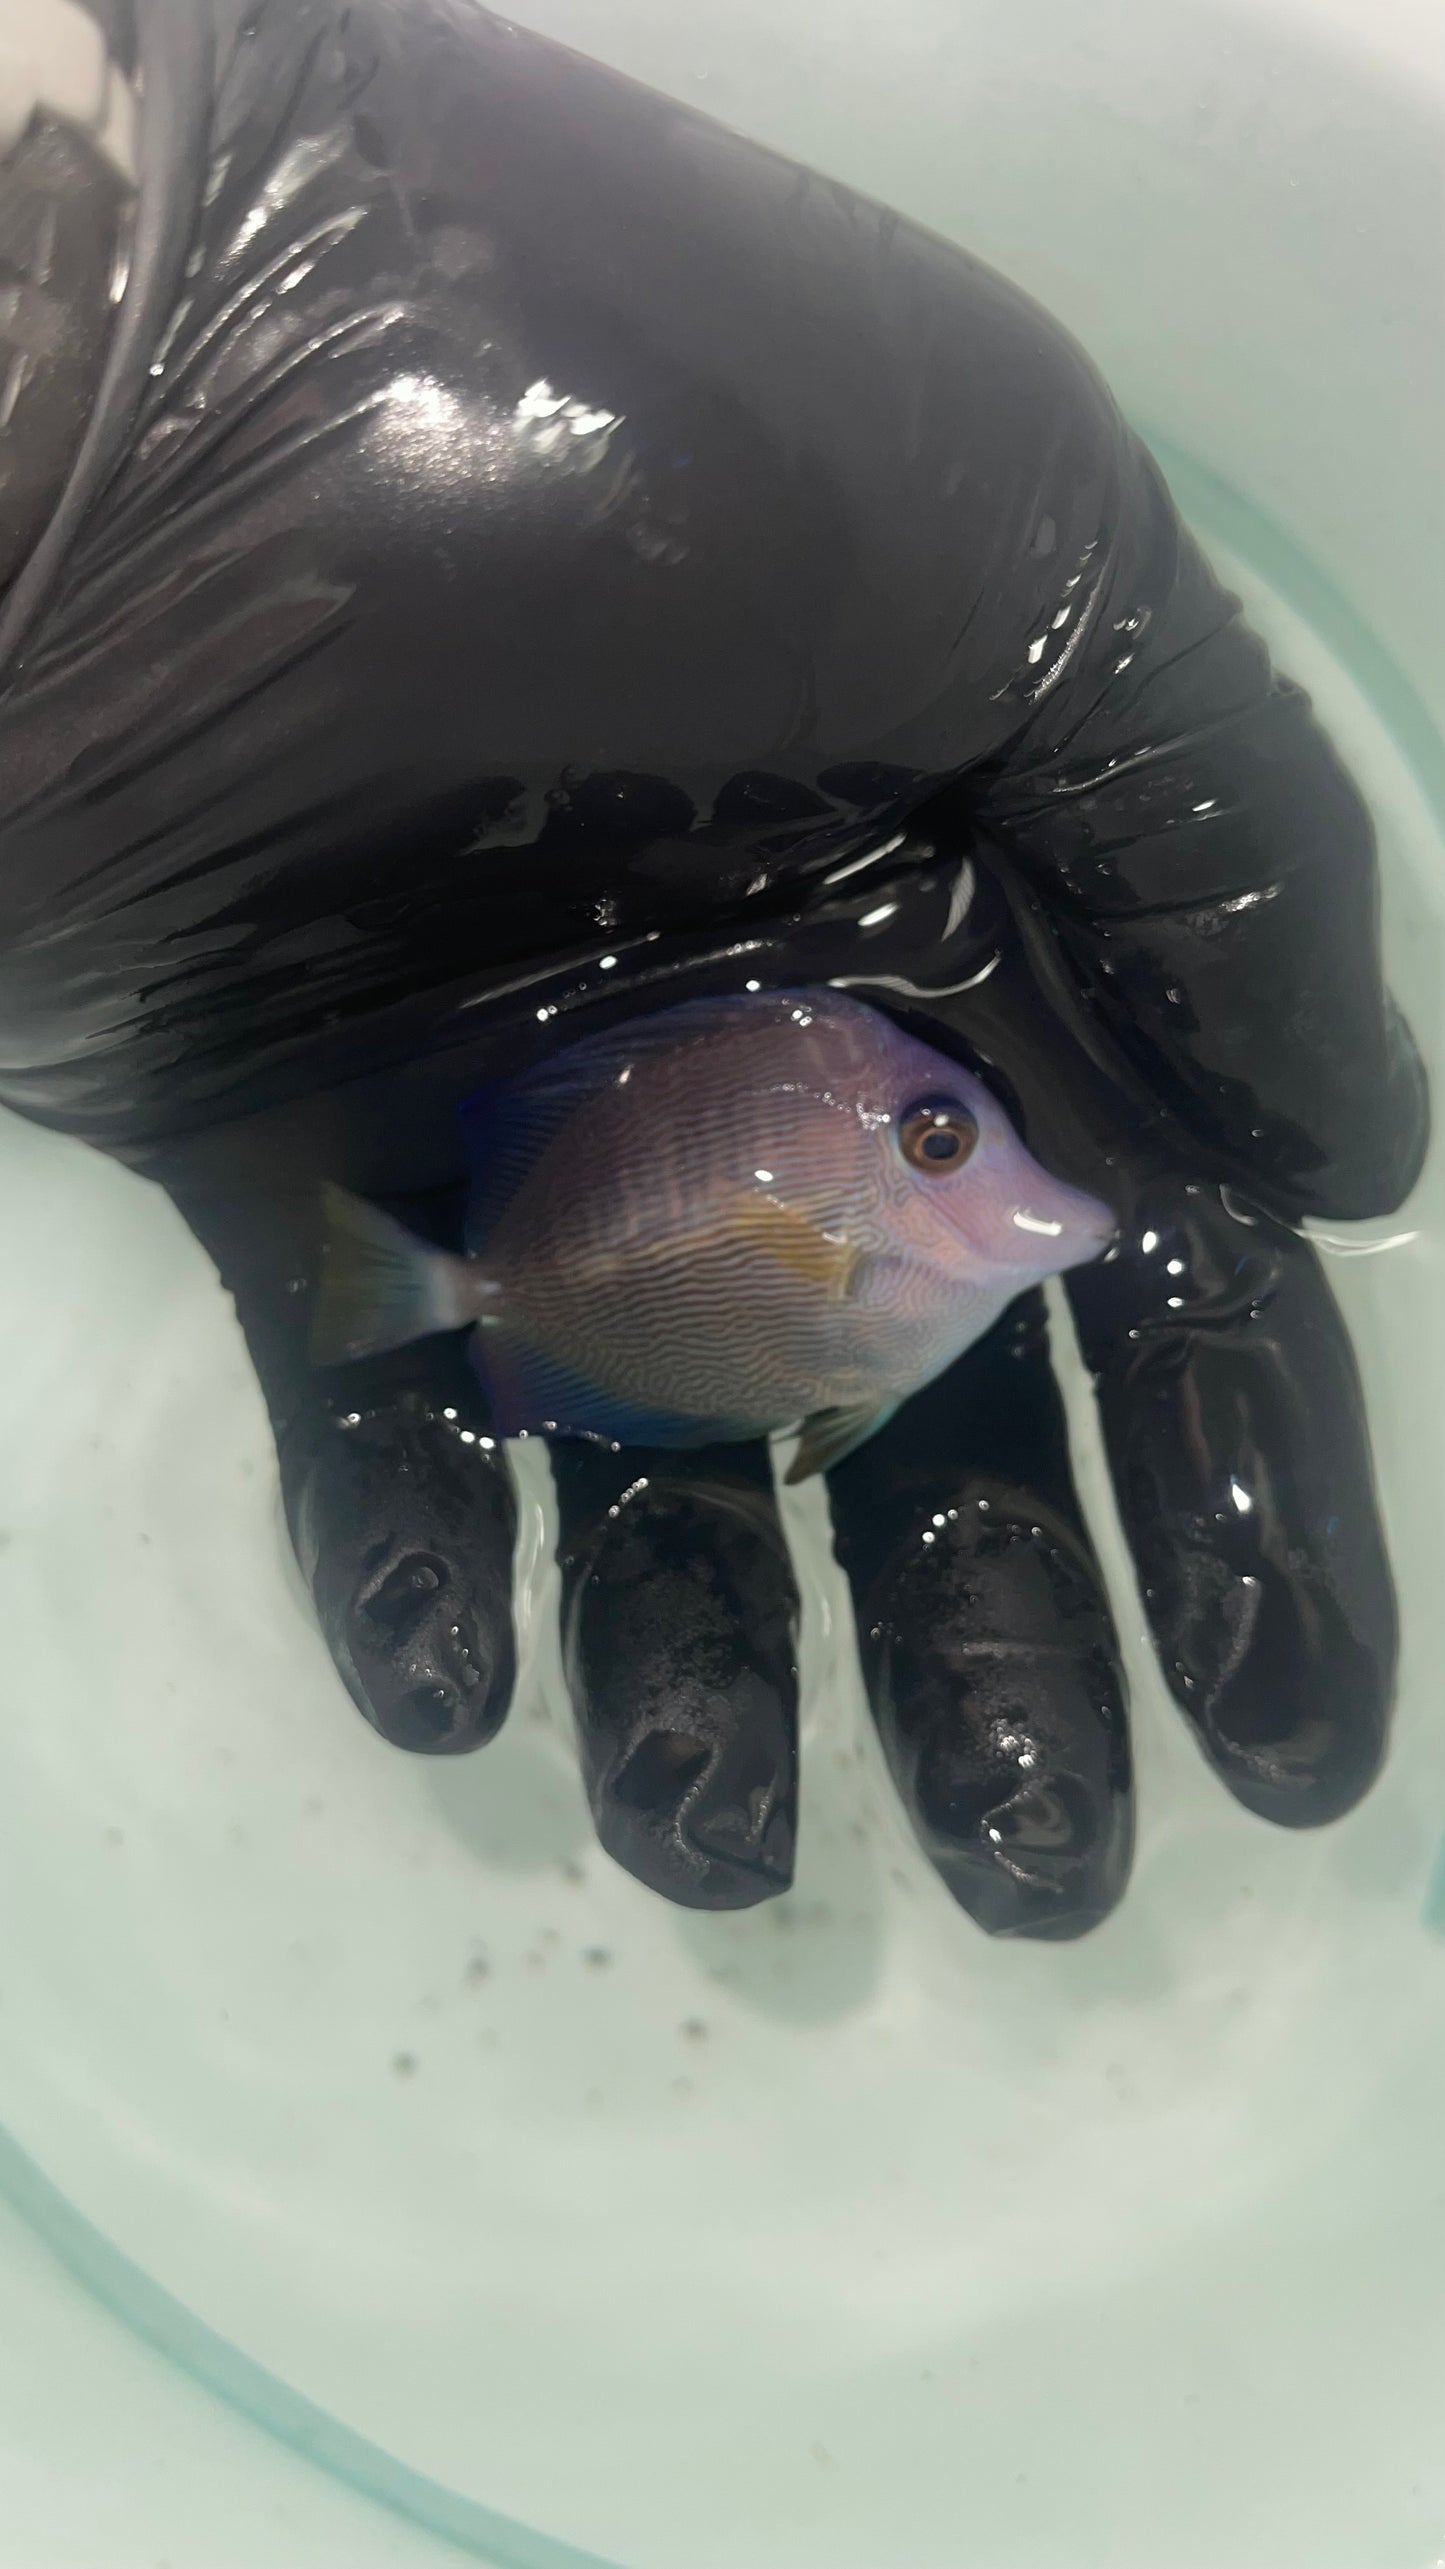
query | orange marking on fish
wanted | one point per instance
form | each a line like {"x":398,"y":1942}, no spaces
{"x":794,"y":1241}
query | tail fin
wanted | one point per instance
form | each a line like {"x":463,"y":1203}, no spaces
{"x":381,"y":1286}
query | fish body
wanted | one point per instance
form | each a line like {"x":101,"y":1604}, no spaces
{"x":718,"y":1222}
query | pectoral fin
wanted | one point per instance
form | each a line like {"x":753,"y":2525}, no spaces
{"x":831,"y":1433}
{"x":877,"y":1281}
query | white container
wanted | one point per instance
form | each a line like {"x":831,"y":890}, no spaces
{"x":1130,"y":2253}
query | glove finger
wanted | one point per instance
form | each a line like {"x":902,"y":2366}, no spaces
{"x":397,"y":1495}
{"x":403,"y":1519}
{"x":1236,"y":1433}
{"x":1209,"y":870}
{"x":988,"y":1648}
{"x":679,"y":1615}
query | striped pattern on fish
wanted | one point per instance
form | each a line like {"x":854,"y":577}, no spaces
{"x":719,"y":1221}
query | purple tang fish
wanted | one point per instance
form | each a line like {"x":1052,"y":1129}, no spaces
{"x":736,"y":1216}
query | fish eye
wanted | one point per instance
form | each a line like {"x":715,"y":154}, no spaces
{"x":936,"y":1135}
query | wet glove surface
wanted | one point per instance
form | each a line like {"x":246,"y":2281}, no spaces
{"x":533,"y":558}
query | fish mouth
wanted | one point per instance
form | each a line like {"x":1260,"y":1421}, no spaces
{"x":1069,"y":1236}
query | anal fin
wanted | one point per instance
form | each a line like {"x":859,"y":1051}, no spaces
{"x":532,"y":1394}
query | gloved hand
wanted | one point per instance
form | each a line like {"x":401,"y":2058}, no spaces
{"x":530,"y":558}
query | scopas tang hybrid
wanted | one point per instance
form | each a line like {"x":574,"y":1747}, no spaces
{"x":729,"y":1218}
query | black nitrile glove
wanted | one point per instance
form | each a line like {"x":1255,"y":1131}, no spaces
{"x":534,"y":557}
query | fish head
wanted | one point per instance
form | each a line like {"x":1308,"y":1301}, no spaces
{"x":963,"y":1187}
